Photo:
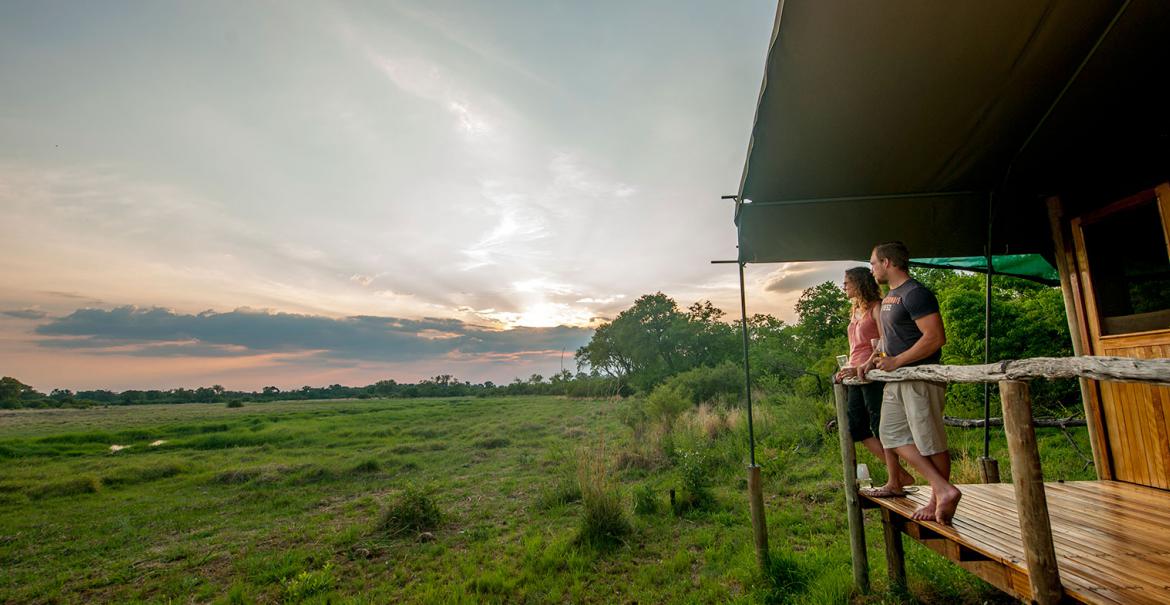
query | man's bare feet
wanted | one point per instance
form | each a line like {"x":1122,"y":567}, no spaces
{"x":904,"y":479}
{"x":948,"y":501}
{"x":926,"y":512}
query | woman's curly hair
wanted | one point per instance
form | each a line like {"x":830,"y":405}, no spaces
{"x":866,"y":287}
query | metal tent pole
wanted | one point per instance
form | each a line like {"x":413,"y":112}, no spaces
{"x":755,"y":481}
{"x":989,"y":467}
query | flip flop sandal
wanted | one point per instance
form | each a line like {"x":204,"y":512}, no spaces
{"x":881,"y":492}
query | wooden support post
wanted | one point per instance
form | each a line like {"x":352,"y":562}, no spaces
{"x":759,"y":523}
{"x":989,"y":469}
{"x":895,"y":557}
{"x":1035,"y":527}
{"x":852,"y":500}
{"x":1064,"y":267}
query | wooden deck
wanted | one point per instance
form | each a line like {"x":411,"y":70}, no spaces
{"x":1112,"y":539}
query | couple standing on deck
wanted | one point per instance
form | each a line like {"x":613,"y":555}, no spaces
{"x":907,"y":416}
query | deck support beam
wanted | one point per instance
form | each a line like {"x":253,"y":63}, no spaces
{"x":852,"y":500}
{"x":895,"y":556}
{"x":1031,"y":503}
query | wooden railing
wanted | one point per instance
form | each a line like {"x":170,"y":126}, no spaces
{"x":1032,"y":506}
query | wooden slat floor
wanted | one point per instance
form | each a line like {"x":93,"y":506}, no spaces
{"x":1112,"y":539}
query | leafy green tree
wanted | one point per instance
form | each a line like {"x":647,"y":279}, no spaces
{"x":654,"y":339}
{"x":12,"y":390}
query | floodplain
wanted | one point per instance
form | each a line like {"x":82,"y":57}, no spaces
{"x":453,"y":500}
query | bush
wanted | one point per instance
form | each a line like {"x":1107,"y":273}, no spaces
{"x":666,"y":402}
{"x":235,"y":403}
{"x":645,"y":501}
{"x":413,"y":510}
{"x":696,"y":482}
{"x":308,"y":583}
{"x":721,"y":384}
{"x":603,"y":519}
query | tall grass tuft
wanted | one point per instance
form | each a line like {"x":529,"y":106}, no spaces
{"x":414,"y":510}
{"x":68,"y":487}
{"x":603,"y":518}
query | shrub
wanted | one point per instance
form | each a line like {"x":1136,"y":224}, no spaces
{"x":413,"y":510}
{"x":235,"y":403}
{"x":666,"y":402}
{"x":722,"y":383}
{"x":633,"y":415}
{"x":696,"y":482}
{"x":308,"y":583}
{"x":603,"y":519}
{"x":645,"y":500}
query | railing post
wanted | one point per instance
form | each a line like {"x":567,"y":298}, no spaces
{"x":1035,"y":526}
{"x":852,"y":501}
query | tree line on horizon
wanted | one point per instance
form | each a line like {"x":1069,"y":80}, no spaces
{"x":699,"y":352}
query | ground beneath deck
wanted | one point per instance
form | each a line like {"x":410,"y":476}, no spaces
{"x":1112,"y":539}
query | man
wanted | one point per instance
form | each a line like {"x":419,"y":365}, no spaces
{"x":912,"y":411}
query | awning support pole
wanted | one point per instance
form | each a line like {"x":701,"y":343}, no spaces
{"x":988,"y":466}
{"x":755,"y":481}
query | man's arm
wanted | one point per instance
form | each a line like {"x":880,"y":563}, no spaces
{"x":933,"y":339}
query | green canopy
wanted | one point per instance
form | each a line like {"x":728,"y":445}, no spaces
{"x":1026,"y":266}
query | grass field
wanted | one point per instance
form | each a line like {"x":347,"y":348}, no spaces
{"x":299,"y":502}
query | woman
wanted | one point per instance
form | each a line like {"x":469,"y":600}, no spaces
{"x":865,"y":400}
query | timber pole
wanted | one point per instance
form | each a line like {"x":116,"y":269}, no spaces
{"x":755,"y":482}
{"x":895,"y":555}
{"x":1035,"y":525}
{"x":852,"y":500}
{"x":1065,"y":270}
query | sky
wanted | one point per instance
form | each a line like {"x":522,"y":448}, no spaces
{"x":297,"y":193}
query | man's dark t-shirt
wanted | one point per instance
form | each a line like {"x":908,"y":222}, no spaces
{"x":903,"y":305}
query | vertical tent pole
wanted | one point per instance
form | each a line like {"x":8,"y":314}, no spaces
{"x":989,"y":467}
{"x":755,"y":482}
{"x":747,"y":372}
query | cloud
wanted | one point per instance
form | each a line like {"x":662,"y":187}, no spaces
{"x":244,"y":332}
{"x":792,"y":277}
{"x":25,"y":314}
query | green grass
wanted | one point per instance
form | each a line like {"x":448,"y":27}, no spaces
{"x":292,"y":501}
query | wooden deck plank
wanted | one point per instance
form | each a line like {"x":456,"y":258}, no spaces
{"x":1112,"y":539}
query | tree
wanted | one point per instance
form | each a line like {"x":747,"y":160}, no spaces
{"x":653,"y":340}
{"x":13,"y":391}
{"x":824,"y":314}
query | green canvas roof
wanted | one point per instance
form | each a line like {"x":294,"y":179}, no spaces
{"x":1027,"y":266}
{"x":922,"y":121}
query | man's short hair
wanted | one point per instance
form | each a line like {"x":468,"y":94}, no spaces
{"x":896,"y":252}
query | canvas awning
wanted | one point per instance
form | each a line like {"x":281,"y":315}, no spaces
{"x":1032,"y":267}
{"x":922,"y":121}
